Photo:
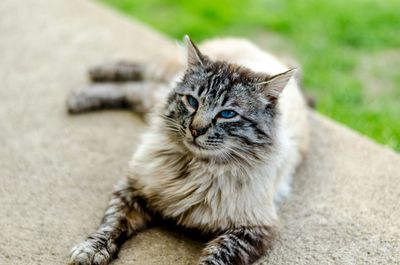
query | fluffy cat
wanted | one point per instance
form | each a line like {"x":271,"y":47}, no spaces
{"x":227,"y":132}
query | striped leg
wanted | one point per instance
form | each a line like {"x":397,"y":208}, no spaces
{"x":124,"y":216}
{"x":117,"y":72}
{"x":161,"y":70}
{"x":241,"y":246}
{"x":136,"y":96}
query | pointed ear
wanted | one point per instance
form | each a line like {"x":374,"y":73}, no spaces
{"x":274,"y":86}
{"x":194,"y":56}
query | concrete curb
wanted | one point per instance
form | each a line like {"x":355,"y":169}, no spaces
{"x":57,"y":171}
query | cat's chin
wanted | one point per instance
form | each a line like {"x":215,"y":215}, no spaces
{"x":201,"y":150}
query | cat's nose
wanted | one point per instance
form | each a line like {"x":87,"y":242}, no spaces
{"x":196,"y":132}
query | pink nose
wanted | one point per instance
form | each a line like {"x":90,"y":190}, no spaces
{"x":194,"y":133}
{"x":198,"y":131}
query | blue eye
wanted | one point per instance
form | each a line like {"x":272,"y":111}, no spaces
{"x":227,"y":114}
{"x":192,"y":101}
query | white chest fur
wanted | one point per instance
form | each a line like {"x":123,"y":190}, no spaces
{"x":201,"y":194}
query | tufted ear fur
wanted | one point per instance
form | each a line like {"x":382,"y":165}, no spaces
{"x":273,"y":86}
{"x":194,"y":56}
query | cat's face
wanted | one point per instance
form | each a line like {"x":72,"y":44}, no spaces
{"x":222,"y":110}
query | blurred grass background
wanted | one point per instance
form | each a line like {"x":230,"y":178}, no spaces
{"x":349,"y":50}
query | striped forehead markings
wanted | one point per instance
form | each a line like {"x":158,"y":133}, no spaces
{"x":225,"y":98}
{"x":200,"y":90}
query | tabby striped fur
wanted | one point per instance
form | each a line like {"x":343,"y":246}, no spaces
{"x":207,"y":172}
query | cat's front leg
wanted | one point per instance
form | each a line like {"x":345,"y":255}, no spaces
{"x":241,"y":246}
{"x":124,"y":216}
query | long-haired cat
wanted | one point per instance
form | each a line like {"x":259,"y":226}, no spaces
{"x":228,"y":129}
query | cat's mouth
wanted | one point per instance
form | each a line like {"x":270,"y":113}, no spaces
{"x":197,"y":145}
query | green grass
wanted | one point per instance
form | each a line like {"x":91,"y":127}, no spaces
{"x":331,"y":39}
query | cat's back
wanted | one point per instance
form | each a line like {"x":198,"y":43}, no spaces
{"x":242,"y":52}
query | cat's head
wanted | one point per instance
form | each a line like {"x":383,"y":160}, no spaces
{"x":223,"y":110}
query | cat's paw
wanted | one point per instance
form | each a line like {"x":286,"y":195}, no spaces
{"x":90,"y":253}
{"x":97,"y":96}
{"x":80,"y":102}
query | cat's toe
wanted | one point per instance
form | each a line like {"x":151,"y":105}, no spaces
{"x":82,"y":254}
{"x":89,"y":253}
{"x":101,"y":257}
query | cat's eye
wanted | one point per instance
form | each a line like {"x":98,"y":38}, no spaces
{"x":192,"y":101}
{"x":227,"y":114}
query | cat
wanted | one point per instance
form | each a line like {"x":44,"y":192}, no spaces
{"x":227,"y":130}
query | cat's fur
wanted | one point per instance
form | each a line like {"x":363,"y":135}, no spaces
{"x":229,"y":181}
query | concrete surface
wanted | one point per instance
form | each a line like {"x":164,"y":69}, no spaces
{"x":57,"y":171}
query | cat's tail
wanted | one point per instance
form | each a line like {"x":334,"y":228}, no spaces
{"x":310,"y":99}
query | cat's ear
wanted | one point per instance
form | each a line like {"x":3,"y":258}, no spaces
{"x":274,"y":85}
{"x":194,"y":56}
